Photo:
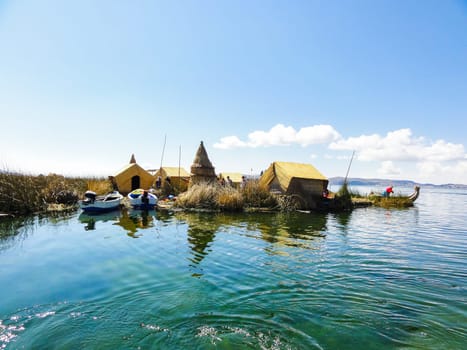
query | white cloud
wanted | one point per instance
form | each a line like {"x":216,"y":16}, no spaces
{"x":443,"y":173}
{"x":398,"y":151}
{"x":443,"y":151}
{"x":400,"y":145}
{"x":317,"y":134}
{"x":429,"y":168}
{"x":278,"y":135}
{"x":347,"y":158}
{"x":229,"y":142}
{"x":281,"y":135}
{"x":388,"y":169}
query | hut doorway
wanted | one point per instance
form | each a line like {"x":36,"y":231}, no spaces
{"x":135,"y":182}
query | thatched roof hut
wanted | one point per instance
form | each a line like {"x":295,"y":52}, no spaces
{"x":132,"y":177}
{"x":236,"y":178}
{"x":179,"y":177}
{"x":302,"y":181}
{"x":202,"y":170}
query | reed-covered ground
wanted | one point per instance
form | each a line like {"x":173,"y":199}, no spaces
{"x":26,"y":194}
{"x":252,"y":196}
{"x":228,"y":198}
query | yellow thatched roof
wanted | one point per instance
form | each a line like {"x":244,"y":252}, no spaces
{"x":124,"y":178}
{"x":173,"y":172}
{"x":235,"y":177}
{"x":284,"y":172}
{"x":133,"y":168}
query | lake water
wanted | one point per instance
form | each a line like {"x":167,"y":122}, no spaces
{"x":370,"y":279}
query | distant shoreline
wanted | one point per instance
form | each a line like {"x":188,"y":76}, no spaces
{"x":337,"y":181}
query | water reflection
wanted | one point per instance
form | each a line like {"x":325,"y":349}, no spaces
{"x":134,"y":220}
{"x":165,"y":217}
{"x":90,"y":220}
{"x":130,"y":220}
{"x":13,"y":230}
{"x":286,"y":229}
{"x":342,"y":219}
{"x":202,"y":228}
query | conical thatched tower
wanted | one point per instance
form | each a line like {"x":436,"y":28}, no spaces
{"x":202,"y":170}
{"x":132,"y":160}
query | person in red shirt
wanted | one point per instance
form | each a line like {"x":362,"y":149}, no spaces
{"x":388,"y":191}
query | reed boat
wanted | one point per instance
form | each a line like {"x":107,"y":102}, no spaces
{"x":396,"y":201}
{"x":413,"y":197}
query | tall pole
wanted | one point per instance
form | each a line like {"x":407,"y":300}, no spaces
{"x":163,"y":150}
{"x":348,"y":169}
{"x":179,"y":160}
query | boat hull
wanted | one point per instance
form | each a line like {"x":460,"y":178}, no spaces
{"x":102,"y":204}
{"x":142,"y":200}
{"x":99,"y":209}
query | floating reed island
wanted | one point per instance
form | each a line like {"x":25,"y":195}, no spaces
{"x":283,"y":186}
{"x":22,"y":194}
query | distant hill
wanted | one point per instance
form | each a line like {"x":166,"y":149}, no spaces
{"x":336,"y":181}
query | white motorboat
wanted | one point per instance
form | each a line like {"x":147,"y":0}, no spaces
{"x":98,"y":204}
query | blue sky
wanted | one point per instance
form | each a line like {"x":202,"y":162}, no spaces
{"x":85,"y":84}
